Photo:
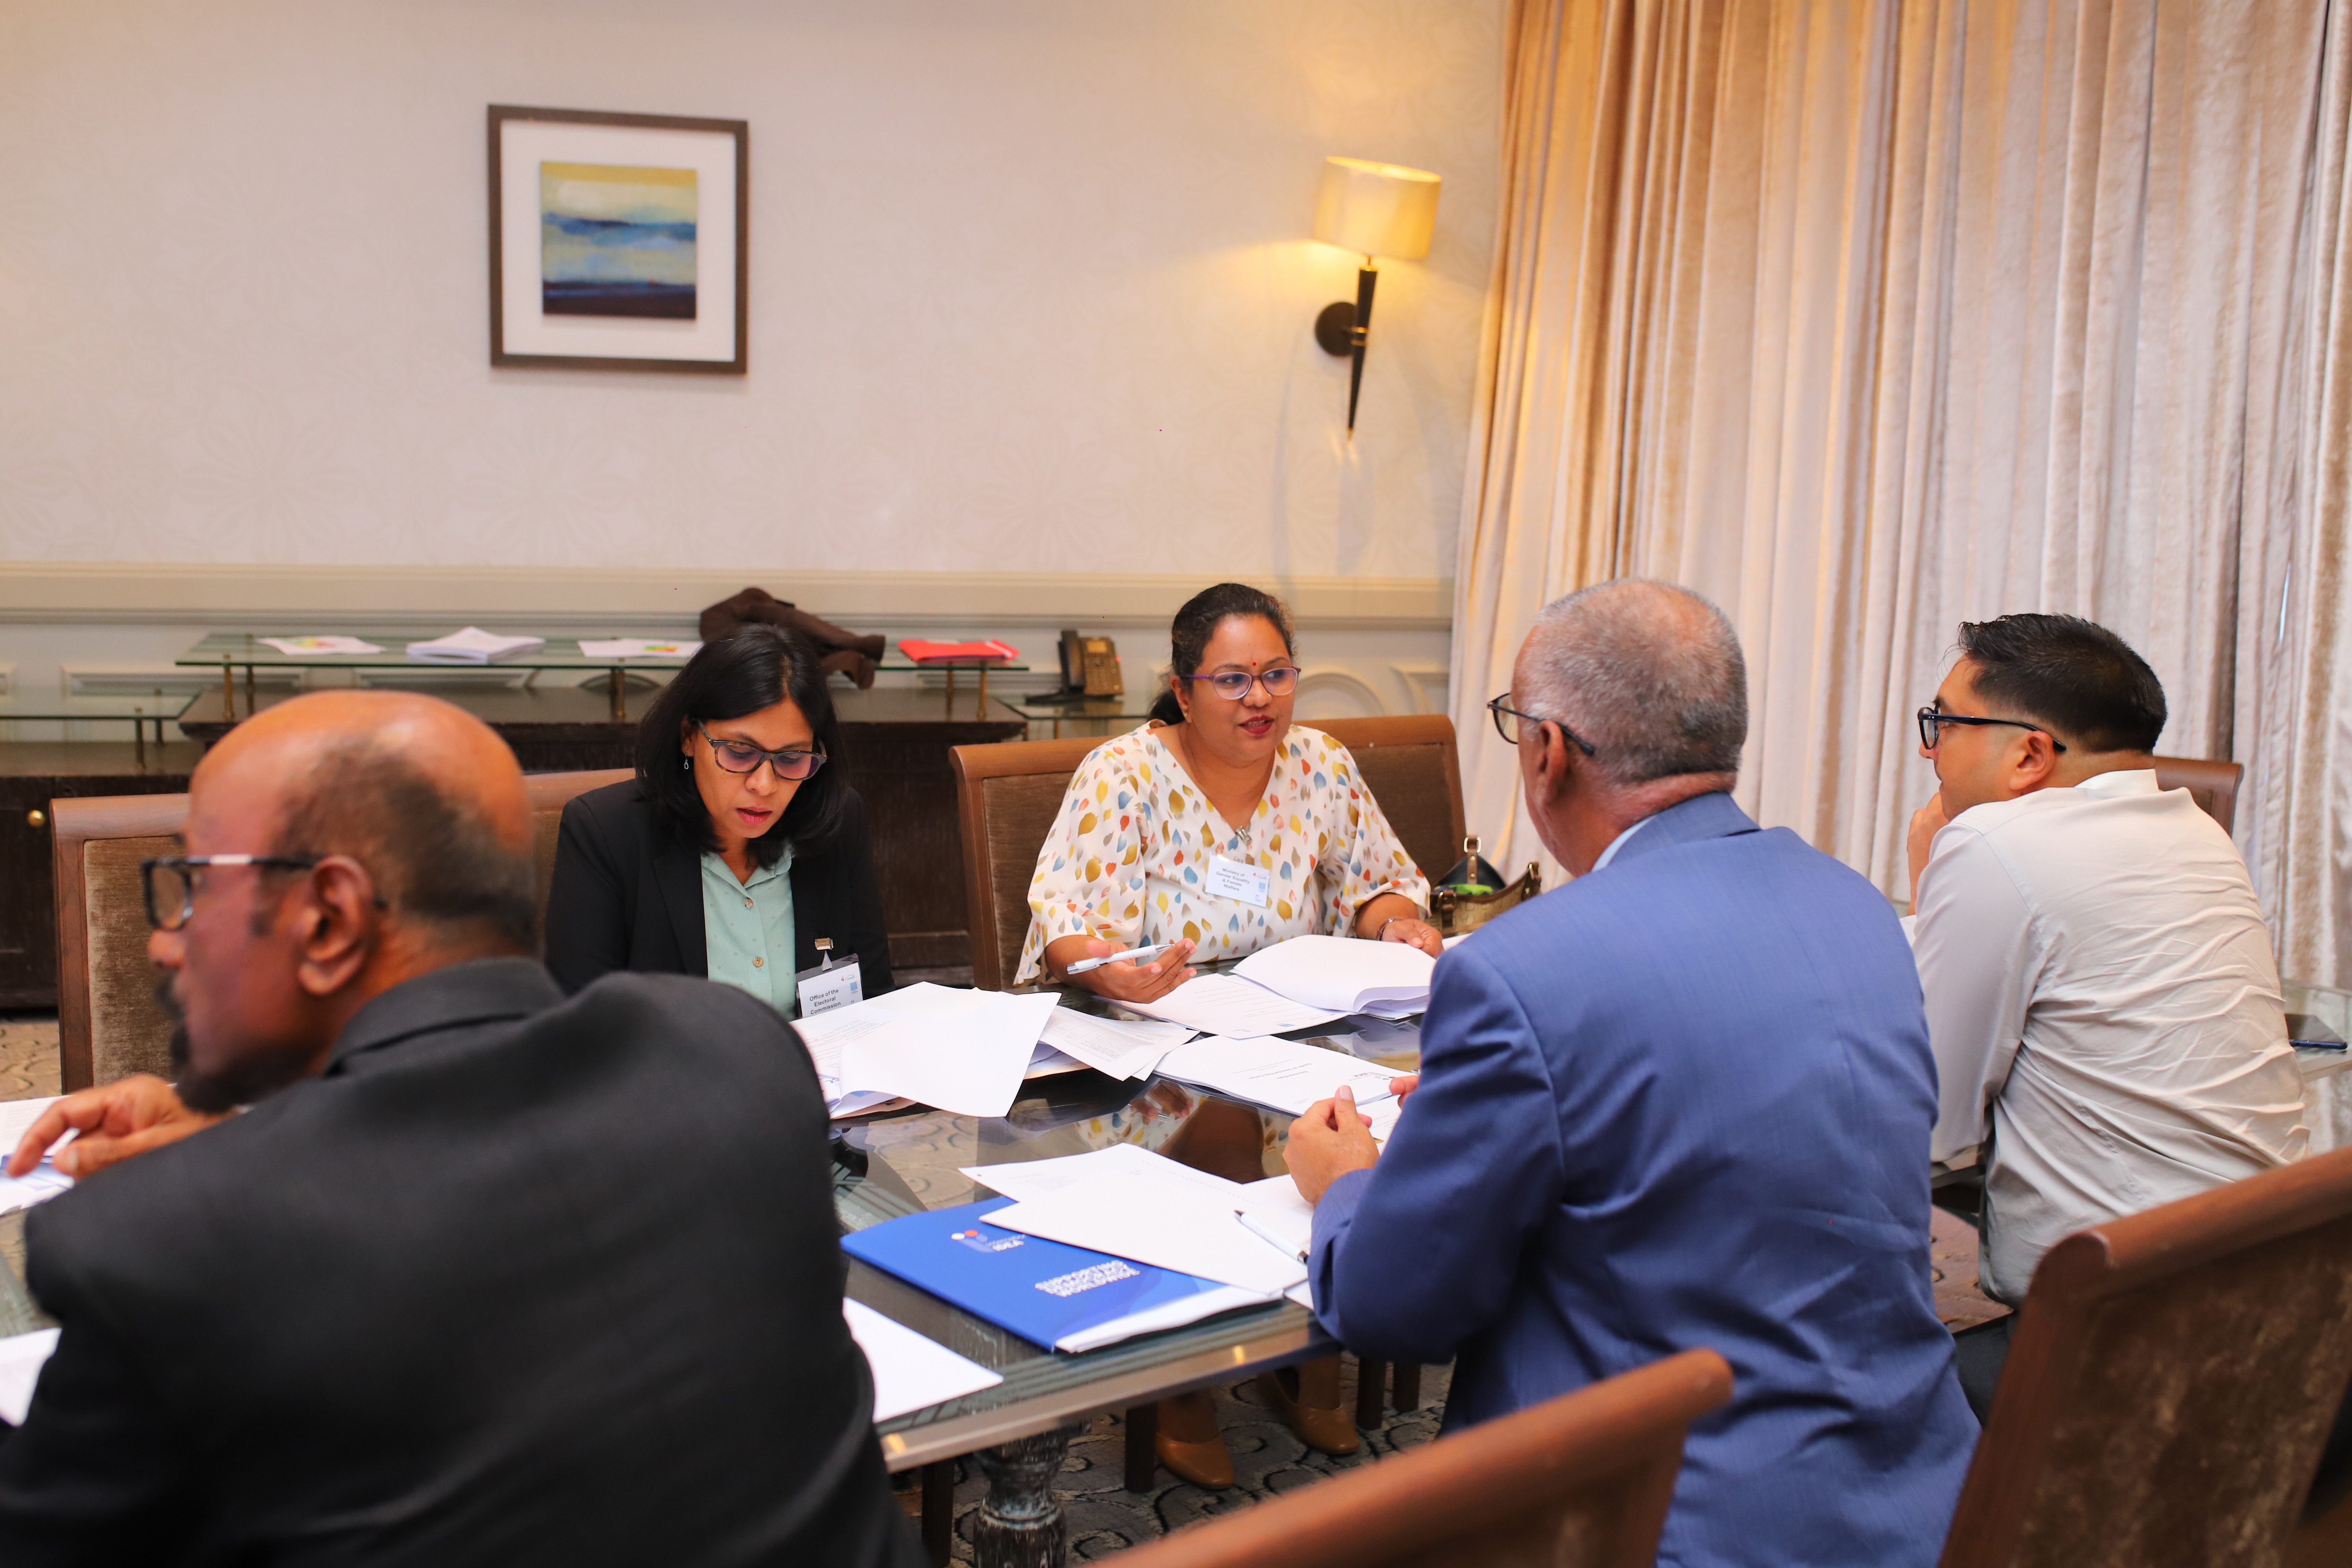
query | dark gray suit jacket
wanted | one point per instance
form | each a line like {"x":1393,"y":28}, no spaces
{"x":519,"y":1281}
{"x":627,"y":894}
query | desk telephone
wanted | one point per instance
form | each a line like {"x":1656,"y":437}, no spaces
{"x":1090,"y":667}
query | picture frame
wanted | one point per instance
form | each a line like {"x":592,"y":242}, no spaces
{"x":619,"y":241}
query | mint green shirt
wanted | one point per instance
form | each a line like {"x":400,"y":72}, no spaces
{"x":747,"y":930}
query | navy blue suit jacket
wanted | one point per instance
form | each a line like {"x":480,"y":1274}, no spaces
{"x":1681,"y":1101}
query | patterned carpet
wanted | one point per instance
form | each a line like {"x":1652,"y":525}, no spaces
{"x":1105,"y":1517}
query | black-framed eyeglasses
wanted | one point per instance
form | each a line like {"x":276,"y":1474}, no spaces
{"x":170,"y":881}
{"x":742,"y":757}
{"x":1932,"y":721}
{"x":1232,"y":685}
{"x":1507,"y":720}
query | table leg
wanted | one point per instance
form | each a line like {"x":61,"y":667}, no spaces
{"x":952,"y":692}
{"x":939,"y":1511}
{"x":614,"y":690}
{"x":228,"y":691}
{"x":1371,"y":1379}
{"x":1020,"y":1523}
{"x":983,"y":693}
{"x":251,"y":707}
{"x":139,"y":740}
{"x":1408,"y":1385}
{"x":1142,"y":1452}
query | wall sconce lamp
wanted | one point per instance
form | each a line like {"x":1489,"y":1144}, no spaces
{"x":1372,"y":209}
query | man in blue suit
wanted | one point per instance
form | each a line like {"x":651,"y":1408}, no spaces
{"x":1684,"y":1100}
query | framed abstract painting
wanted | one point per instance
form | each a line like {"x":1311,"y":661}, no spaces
{"x":618,"y":241}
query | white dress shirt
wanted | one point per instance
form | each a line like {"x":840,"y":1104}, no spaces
{"x":2101,"y":993}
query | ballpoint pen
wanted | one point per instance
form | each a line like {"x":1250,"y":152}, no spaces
{"x":1154,"y":951}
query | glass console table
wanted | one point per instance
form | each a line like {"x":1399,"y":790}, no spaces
{"x":1088,"y":716}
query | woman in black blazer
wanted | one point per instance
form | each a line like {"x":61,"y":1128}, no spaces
{"x":738,"y":844}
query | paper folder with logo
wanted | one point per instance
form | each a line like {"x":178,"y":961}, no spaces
{"x":1050,"y":1294}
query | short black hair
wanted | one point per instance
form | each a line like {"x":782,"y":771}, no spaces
{"x":433,"y":861}
{"x":1197,"y":621}
{"x":2074,"y":676}
{"x":752,"y":667}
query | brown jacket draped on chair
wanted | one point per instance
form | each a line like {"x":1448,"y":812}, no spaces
{"x":843,"y":652}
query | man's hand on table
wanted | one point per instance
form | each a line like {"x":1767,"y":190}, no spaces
{"x":113,"y":1122}
{"x":1332,"y":1139}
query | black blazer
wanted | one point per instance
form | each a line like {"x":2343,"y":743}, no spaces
{"x":520,"y":1280}
{"x":627,"y":894}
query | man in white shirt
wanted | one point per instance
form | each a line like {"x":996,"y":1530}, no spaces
{"x":2102,"y":998}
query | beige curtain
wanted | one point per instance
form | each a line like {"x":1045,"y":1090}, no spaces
{"x":1865,"y":317}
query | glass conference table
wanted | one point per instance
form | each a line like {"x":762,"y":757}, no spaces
{"x":1019,"y":1431}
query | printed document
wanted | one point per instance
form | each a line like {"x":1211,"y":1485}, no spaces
{"x":960,"y":1051}
{"x":471,"y":646}
{"x":1146,"y":1207}
{"x":22,"y":1356}
{"x":1286,"y":1075}
{"x":636,"y":647}
{"x":320,"y":645}
{"x":1228,"y":1005}
{"x":1345,"y":974}
{"x":1121,"y":1048}
{"x":44,"y":1180}
{"x":910,"y":1372}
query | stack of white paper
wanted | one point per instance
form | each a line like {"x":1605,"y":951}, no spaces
{"x":1286,"y":1075}
{"x":910,"y":1372}
{"x":322,"y":645}
{"x":1133,"y":1204}
{"x":471,"y":646}
{"x":960,"y":1051}
{"x":22,"y":1356}
{"x":1229,"y":1004}
{"x":1344,"y":973}
{"x":1118,"y":1047}
{"x":1277,"y":1210}
{"x":636,"y":647}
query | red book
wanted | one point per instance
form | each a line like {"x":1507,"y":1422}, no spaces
{"x":990,"y":652}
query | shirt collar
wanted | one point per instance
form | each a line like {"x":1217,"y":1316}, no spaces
{"x":714,"y":865}
{"x":2121,"y":781}
{"x":482,"y":991}
{"x":1615,"y":843}
{"x":1710,"y":816}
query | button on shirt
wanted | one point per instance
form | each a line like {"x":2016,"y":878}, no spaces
{"x":747,"y":929}
{"x":2103,"y":999}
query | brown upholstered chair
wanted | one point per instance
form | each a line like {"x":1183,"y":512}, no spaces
{"x":1580,"y":1482}
{"x":2171,"y":1381}
{"x":108,"y":1024}
{"x":1008,"y":794}
{"x":2212,"y":785}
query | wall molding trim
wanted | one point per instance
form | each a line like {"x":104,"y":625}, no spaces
{"x":621,"y":597}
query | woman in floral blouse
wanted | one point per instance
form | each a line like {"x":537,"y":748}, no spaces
{"x":1147,"y":849}
{"x":1224,"y":828}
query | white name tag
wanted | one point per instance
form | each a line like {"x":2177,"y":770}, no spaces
{"x":1233,"y":879}
{"x":820,"y":990}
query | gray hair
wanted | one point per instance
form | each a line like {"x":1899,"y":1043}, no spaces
{"x":1648,"y":673}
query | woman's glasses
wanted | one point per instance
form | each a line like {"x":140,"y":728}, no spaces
{"x":742,"y":757}
{"x":1232,"y":685}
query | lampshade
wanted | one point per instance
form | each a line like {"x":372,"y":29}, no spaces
{"x":1376,"y":209}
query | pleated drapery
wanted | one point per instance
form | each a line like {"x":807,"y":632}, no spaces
{"x":1864,"y":318}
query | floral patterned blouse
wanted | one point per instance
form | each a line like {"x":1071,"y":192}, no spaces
{"x":1129,"y":858}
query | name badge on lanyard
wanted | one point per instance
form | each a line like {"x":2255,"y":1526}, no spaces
{"x":1238,"y":881}
{"x":829,"y":984}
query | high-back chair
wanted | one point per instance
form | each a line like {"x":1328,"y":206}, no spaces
{"x":109,"y":1026}
{"x":1580,"y":1482}
{"x":1008,"y":794}
{"x":2170,"y":1383}
{"x":2212,"y":785}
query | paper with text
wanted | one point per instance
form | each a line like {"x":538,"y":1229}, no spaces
{"x":1121,"y":1047}
{"x":1286,"y":1075}
{"x":1228,"y":1005}
{"x":1345,"y":974}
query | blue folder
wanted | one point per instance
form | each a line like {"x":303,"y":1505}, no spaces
{"x":1048,"y":1293}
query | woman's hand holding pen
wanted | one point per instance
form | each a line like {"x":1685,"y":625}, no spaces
{"x":1121,"y":981}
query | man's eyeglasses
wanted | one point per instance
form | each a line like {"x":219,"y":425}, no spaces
{"x":169,"y":882}
{"x":1507,"y":720}
{"x":742,"y":757}
{"x":1232,"y":685}
{"x":1932,"y":720}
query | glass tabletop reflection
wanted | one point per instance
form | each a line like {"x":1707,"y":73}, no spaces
{"x":913,"y":1160}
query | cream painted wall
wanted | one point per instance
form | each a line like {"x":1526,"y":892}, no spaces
{"x":1029,"y":289}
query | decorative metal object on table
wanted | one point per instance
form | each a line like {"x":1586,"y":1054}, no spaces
{"x":1473,"y":892}
{"x":910,"y":1162}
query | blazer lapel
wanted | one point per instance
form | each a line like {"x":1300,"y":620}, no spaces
{"x":677,"y":874}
